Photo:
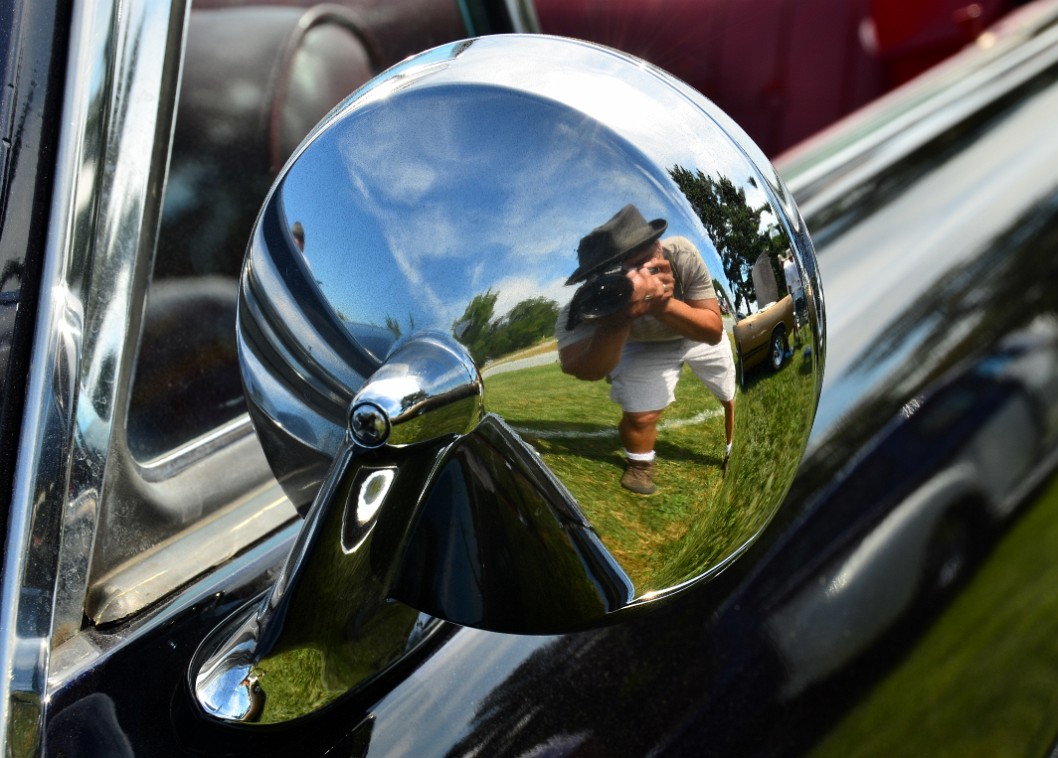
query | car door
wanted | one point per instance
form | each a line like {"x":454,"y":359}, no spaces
{"x":143,"y":513}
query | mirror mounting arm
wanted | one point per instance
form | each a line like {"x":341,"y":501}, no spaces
{"x":333,"y":594}
{"x":431,"y":502}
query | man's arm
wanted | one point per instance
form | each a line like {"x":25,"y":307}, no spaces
{"x":698,"y":320}
{"x":593,"y":358}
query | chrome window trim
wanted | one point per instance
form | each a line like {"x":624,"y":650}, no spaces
{"x":84,"y":651}
{"x":172,"y":495}
{"x":149,"y":577}
{"x":124,"y":64}
{"x":169,"y":464}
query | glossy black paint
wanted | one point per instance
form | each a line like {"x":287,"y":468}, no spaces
{"x":34,"y":56}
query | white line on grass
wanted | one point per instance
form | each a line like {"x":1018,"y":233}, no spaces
{"x":563,"y":434}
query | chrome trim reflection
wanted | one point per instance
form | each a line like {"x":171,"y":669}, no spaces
{"x":137,"y":584}
{"x":122,"y":73}
{"x":523,"y":16}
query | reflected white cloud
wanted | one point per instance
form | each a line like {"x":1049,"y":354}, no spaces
{"x":514,"y":290}
{"x":437,"y":193}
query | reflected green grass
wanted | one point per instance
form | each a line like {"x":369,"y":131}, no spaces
{"x":984,"y":679}
{"x":699,"y":516}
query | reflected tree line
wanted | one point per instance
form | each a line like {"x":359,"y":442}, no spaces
{"x":487,"y":337}
{"x":735,"y":227}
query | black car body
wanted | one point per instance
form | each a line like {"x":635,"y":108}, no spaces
{"x":899,"y":601}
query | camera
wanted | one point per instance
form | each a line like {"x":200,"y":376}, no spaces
{"x":602,"y":295}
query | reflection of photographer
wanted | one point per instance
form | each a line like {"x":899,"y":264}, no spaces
{"x":647,"y":306}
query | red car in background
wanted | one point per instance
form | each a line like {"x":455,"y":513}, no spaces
{"x":782,"y":69}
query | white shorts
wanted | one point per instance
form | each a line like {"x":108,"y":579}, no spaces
{"x":645,"y":377}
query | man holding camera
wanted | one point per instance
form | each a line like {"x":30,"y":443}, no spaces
{"x":646,"y":307}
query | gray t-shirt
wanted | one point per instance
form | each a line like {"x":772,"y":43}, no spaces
{"x":692,"y":283}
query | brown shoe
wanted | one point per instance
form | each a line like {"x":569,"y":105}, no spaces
{"x":639,"y":477}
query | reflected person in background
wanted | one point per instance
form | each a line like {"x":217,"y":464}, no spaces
{"x":796,"y":290}
{"x":668,"y":316}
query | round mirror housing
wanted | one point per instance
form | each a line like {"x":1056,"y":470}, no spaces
{"x":630,"y":305}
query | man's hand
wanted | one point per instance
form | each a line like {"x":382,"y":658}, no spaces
{"x":652,"y":285}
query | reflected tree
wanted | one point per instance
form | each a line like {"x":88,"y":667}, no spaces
{"x":528,"y":322}
{"x":393,"y":326}
{"x":472,"y":328}
{"x":486,"y":337}
{"x":737,"y":229}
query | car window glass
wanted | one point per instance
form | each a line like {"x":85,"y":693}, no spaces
{"x":283,"y":69}
{"x":232,"y":134}
{"x":185,"y":462}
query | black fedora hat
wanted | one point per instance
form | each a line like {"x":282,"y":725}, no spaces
{"x":614,"y":240}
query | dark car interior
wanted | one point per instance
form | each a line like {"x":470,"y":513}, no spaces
{"x":284,"y":68}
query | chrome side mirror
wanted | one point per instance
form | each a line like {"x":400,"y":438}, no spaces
{"x":434,"y":292}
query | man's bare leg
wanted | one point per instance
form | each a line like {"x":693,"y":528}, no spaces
{"x":639,"y":432}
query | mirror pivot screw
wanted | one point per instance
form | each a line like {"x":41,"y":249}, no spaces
{"x":369,"y":425}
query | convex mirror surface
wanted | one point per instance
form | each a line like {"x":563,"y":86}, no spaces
{"x":532,"y":334}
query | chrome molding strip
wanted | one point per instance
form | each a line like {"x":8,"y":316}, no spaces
{"x":117,"y":123}
{"x":902,"y":121}
{"x":144,"y":580}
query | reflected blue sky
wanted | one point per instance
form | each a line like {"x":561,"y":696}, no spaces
{"x":419,"y":200}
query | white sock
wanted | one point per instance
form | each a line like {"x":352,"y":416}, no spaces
{"x":645,"y":457}
{"x":728,"y":453}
